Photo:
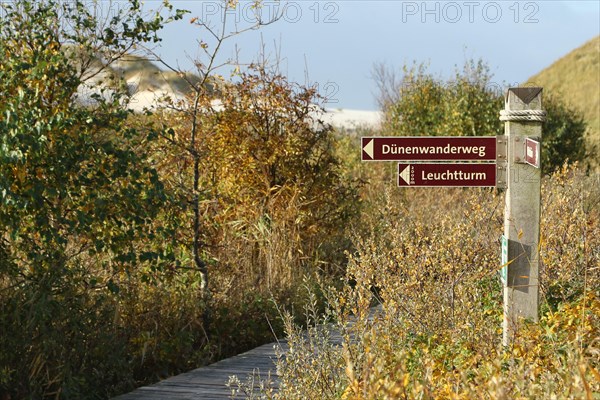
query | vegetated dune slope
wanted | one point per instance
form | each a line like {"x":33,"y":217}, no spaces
{"x":575,"y":78}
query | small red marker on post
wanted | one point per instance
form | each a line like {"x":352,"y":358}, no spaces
{"x":532,"y":152}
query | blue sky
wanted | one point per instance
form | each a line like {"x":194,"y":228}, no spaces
{"x":334,"y":44}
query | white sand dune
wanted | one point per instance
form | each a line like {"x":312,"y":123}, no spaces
{"x":159,"y":94}
{"x":338,"y":118}
{"x":352,"y":119}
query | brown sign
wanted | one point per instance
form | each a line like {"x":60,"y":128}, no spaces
{"x":445,"y":175}
{"x":429,"y":148}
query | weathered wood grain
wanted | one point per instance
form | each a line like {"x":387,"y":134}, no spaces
{"x":210,"y":382}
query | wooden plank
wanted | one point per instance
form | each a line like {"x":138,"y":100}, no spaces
{"x":209,"y":383}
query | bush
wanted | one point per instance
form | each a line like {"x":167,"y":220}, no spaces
{"x":78,"y":196}
{"x":431,"y":266}
{"x":110,"y":222}
{"x":274,"y":197}
{"x":469,"y":105}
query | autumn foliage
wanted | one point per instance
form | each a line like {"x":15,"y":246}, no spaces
{"x":430,"y":270}
{"x":134,"y":247}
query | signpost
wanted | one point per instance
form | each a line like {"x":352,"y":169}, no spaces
{"x":436,"y":148}
{"x":513,"y":162}
{"x":523,"y":118}
{"x":447,"y":175}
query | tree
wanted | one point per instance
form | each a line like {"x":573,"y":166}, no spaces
{"x":421,"y":104}
{"x":468,"y":105}
{"x":255,"y":173}
{"x":186,"y":145}
{"x":563,"y":135}
{"x":77,"y":195}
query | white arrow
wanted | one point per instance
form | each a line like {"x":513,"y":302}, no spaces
{"x":369,"y":148}
{"x":405,"y":175}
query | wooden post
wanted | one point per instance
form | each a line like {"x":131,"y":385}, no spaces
{"x":523,"y":118}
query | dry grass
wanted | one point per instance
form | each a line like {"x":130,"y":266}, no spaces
{"x":430,"y":259}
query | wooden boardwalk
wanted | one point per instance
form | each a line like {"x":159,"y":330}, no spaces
{"x":210,"y":382}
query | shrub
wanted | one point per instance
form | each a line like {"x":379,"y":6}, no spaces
{"x":432,"y":268}
{"x":77,"y":201}
{"x":468,"y":105}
